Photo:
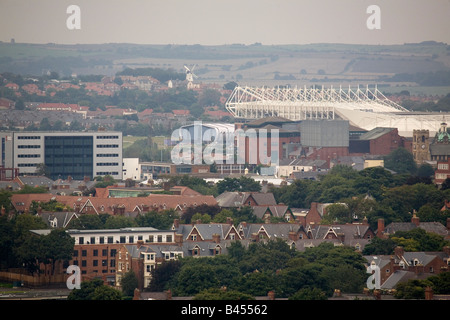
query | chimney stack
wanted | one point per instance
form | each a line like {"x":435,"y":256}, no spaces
{"x":380,"y":230}
{"x":176,"y":223}
{"x":399,"y":252}
{"x":293,"y":236}
{"x":415,"y":219}
{"x":216,"y":237}
{"x":428,"y":293}
{"x":178,"y":238}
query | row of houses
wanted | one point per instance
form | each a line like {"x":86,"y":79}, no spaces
{"x":109,"y":254}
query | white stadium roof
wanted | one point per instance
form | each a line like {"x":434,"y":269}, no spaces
{"x":366,"y":108}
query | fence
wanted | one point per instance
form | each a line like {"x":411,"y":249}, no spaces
{"x":37,"y":280}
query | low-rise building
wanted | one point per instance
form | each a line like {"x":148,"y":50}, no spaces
{"x":403,"y":266}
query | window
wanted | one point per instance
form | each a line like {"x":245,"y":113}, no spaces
{"x":26,"y":146}
{"x":83,"y":253}
{"x":169,"y":238}
{"x":122,"y":239}
{"x":110,"y":239}
{"x":93,"y":240}
{"x":160,"y":238}
{"x":95,"y":253}
{"x":107,"y":146}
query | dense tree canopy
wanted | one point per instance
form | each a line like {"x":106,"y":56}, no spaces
{"x":264,"y":267}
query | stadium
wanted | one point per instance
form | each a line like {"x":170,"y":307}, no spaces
{"x":364,"y":108}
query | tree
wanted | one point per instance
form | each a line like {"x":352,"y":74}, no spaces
{"x":446,"y":184}
{"x":104,"y":181}
{"x":222,"y":294}
{"x":242,"y":184}
{"x":337,"y":213}
{"x":419,"y":240}
{"x":129,"y":282}
{"x":230,"y":85}
{"x":159,"y":220}
{"x":56,"y":246}
{"x":379,"y":246}
{"x":87,"y":222}
{"x":94,"y":290}
{"x":412,"y":289}
{"x":309,"y":294}
{"x":26,"y":245}
{"x":117,"y":222}
{"x":400,"y":160}
{"x":163,"y":274}
{"x":202,"y":209}
{"x":425,"y":170}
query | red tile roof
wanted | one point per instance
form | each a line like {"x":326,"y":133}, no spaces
{"x":22,"y":202}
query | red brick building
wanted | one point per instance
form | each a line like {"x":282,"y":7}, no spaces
{"x":378,"y":141}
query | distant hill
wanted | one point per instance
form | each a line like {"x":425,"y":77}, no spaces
{"x":255,"y":64}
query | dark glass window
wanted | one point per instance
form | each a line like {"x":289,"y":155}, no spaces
{"x":69,"y":156}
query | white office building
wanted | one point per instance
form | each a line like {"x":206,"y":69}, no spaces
{"x":75,"y":154}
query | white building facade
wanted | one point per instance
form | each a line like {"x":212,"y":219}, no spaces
{"x":63,"y":154}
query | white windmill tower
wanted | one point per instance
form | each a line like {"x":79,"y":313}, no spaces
{"x":190,"y":76}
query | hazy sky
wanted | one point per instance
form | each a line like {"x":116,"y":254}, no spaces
{"x":213,"y":22}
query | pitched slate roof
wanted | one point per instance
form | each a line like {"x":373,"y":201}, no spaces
{"x":206,"y":230}
{"x":205,"y":248}
{"x":21,"y":202}
{"x":278,"y":211}
{"x":434,"y":227}
{"x":350,"y":231}
{"x":272,"y":230}
{"x":57,"y":219}
{"x":237,"y":199}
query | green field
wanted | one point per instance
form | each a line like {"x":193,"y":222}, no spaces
{"x":129,"y":140}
